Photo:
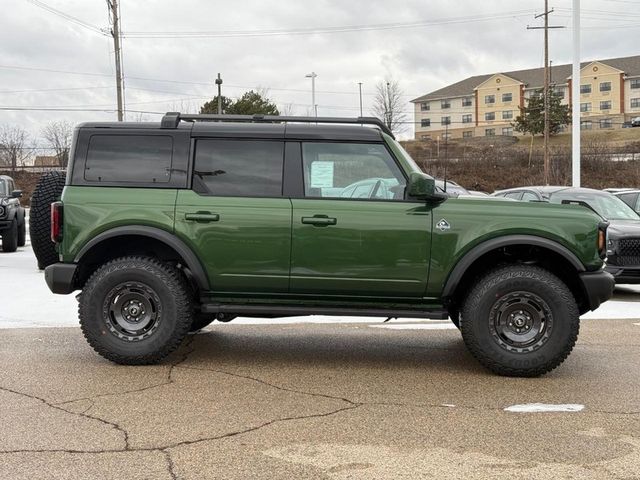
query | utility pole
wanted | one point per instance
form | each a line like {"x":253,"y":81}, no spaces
{"x":546,"y":84}
{"x":115,"y":33}
{"x":360,"y":89}
{"x":219,"y":84}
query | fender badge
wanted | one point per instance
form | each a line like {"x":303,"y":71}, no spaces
{"x":443,"y":225}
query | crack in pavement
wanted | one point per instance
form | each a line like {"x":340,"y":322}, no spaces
{"x":170,"y":465}
{"x":277,"y":387}
{"x":188,"y":345}
{"x":117,"y":427}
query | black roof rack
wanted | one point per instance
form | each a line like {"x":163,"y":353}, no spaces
{"x":172,"y":119}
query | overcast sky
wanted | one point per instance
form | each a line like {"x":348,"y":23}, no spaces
{"x":453,"y":40}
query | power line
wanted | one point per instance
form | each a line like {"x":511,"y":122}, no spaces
{"x":39,"y":90}
{"x":68,"y":17}
{"x":325,"y":29}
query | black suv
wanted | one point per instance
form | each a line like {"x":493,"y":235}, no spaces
{"x":623,"y":242}
{"x":12,"y":218}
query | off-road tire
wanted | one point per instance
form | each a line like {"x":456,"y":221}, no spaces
{"x":486,"y":309}
{"x":10,"y":237}
{"x":47,"y":191}
{"x":172,"y":304}
{"x":22,"y":233}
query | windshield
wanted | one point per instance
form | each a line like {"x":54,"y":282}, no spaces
{"x":3,"y":188}
{"x":607,"y":205}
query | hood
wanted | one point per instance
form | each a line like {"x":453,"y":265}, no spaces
{"x":623,"y":229}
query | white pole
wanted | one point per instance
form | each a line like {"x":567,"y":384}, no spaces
{"x":575,"y":98}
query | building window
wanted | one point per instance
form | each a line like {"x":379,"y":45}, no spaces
{"x":635,"y":103}
{"x":490,"y":116}
{"x":425,"y":122}
{"x":585,"y":88}
{"x":489,"y":99}
{"x":489,"y":132}
{"x":507,"y":114}
{"x":585,"y":107}
{"x":507,"y":131}
{"x":558,"y":92}
{"x":585,"y":125}
{"x":467,"y":134}
{"x":605,"y":105}
{"x":507,"y":97}
{"x":445,"y":104}
{"x":606,"y":123}
{"x":635,"y":83}
{"x":605,"y":86}
{"x":466,"y":118}
{"x":445,"y":121}
{"x":467,"y":102}
{"x":424,"y":106}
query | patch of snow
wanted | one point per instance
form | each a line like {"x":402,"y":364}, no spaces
{"x":25,"y":301}
{"x":544,"y":408}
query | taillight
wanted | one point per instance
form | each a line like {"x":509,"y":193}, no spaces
{"x":56,"y":222}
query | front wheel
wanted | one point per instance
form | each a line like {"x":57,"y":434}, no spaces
{"x":135,"y":310}
{"x":10,"y":237}
{"x":520,"y":320}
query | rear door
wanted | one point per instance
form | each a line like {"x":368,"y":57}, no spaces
{"x":234,"y":217}
{"x":354,"y":233}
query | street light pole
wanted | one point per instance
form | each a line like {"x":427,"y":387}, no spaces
{"x":575,"y":97}
{"x":219,"y":84}
{"x":360,"y":89}
{"x":313,"y":76}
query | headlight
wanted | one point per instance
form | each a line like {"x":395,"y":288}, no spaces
{"x":1,"y":211}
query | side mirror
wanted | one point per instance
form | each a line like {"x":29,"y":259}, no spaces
{"x":423,"y":187}
{"x":16,"y":194}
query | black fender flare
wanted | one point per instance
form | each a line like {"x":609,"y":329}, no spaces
{"x":21,"y":215}
{"x":190,"y":258}
{"x":479,"y":250}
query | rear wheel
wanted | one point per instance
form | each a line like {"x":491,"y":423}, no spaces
{"x":520,"y":321}
{"x":10,"y":237}
{"x":136,"y":310}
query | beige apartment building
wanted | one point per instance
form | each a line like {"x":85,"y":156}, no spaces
{"x":486,"y":105}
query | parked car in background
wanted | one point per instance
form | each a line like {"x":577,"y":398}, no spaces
{"x":477,"y":193}
{"x":12,"y":216}
{"x":623,"y":245}
{"x":635,"y":122}
{"x":630,"y":197}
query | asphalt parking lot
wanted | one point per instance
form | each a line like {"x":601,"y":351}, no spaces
{"x":331,"y":401}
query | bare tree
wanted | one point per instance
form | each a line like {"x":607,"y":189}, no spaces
{"x":58,"y":135}
{"x":287,"y":109}
{"x":15,"y":147}
{"x":388,"y":105}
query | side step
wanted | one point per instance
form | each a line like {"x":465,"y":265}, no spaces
{"x":297,"y":310}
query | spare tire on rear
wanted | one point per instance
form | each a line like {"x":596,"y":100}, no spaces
{"x":47,"y":191}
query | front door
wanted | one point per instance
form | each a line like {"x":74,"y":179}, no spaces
{"x":354,"y":233}
{"x":235,"y":217}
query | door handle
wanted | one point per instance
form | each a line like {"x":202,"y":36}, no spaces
{"x":202,"y":217}
{"x":319,"y":220}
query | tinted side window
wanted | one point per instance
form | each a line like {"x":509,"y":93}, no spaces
{"x":239,"y":168}
{"x":529,"y":197}
{"x":514,"y":195}
{"x":351,"y":170}
{"x":3,"y":188}
{"x":129,"y":159}
{"x":629,"y":198}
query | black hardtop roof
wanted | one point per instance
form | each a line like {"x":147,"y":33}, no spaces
{"x":326,"y":128}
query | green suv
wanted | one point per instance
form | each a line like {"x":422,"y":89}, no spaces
{"x":165,"y":227}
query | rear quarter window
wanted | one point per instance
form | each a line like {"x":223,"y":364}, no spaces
{"x":129,"y":159}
